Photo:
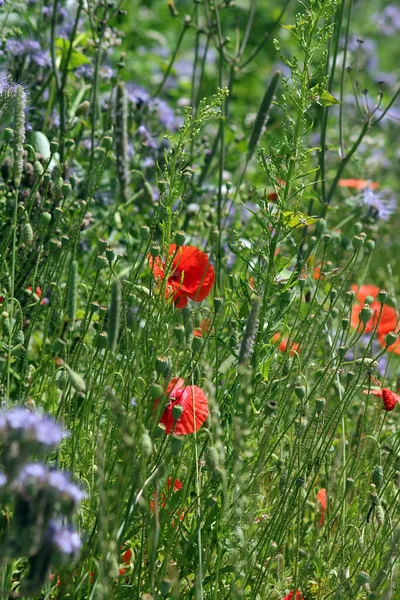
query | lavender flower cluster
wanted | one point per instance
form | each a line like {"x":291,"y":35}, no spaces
{"x":43,"y":498}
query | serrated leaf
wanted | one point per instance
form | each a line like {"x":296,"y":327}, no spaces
{"x":326,"y":99}
{"x":298,"y":219}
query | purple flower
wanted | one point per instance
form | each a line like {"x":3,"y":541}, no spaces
{"x":388,"y":20}
{"x":62,"y":487}
{"x":381,"y":203}
{"x":30,"y":48}
{"x":3,"y":480}
{"x":146,"y":138}
{"x":137,"y":94}
{"x":66,"y":541}
{"x":21,"y":425}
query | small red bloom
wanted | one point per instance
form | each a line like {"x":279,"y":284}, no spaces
{"x":388,"y":318}
{"x":291,"y":596}
{"x":204,"y":327}
{"x":191,"y":275}
{"x":178,"y":485}
{"x":321,"y":497}
{"x":272,"y":196}
{"x":195,"y":408}
{"x":389,"y":398}
{"x":284,"y":344}
{"x":121,"y":571}
{"x":358,"y":184}
{"x":52,"y":577}
{"x":127,"y":555}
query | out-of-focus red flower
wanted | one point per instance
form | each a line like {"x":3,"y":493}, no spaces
{"x":127,"y":555}
{"x":51,"y":578}
{"x":389,"y":398}
{"x":37,"y":294}
{"x":358,"y":184}
{"x":194,"y":403}
{"x":122,"y":571}
{"x":292,"y":596}
{"x":272,"y":196}
{"x":395,"y":347}
{"x":204,"y":327}
{"x":284,"y":344}
{"x":321,"y":497}
{"x":191,"y":275}
{"x":388,"y":318}
{"x":178,"y":485}
{"x":252,"y":283}
{"x":317,"y":274}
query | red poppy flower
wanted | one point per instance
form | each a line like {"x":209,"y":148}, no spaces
{"x":191,"y":275}
{"x":389,"y":398}
{"x":284,"y":344}
{"x":358,"y":184}
{"x":204,"y":327}
{"x":272,"y":196}
{"x":178,"y":485}
{"x":388,"y":318}
{"x":395,"y":347}
{"x":194,"y":403}
{"x":127,"y":555}
{"x":37,"y":294}
{"x":291,"y":596}
{"x":321,"y":497}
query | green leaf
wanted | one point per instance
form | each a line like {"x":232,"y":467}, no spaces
{"x":264,"y":369}
{"x":76,"y":59}
{"x":326,"y":99}
{"x":298,"y":219}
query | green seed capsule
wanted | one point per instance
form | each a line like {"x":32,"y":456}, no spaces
{"x":327,"y":238}
{"x":144,"y":232}
{"x":46,"y":218}
{"x":102,"y":244}
{"x":107,"y":142}
{"x":358,"y":241}
{"x":368,"y":300}
{"x":377,"y":476}
{"x":300,"y":391}
{"x":64,"y":240}
{"x":155,"y":391}
{"x":390,"y":338}
{"x":54,"y":245}
{"x":155,"y":250}
{"x":349,"y":484}
{"x":320,"y":404}
{"x":177,"y":411}
{"x":27,"y":234}
{"x":110,"y":254}
{"x":53,"y":146}
{"x":197,"y":343}
{"x":8,"y":134}
{"x":357,"y":228}
{"x":179,"y":238}
{"x":161,"y":364}
{"x":365,"y":314}
{"x":177,"y":442}
{"x":179,"y":333}
{"x":102,"y":340}
{"x":350,"y":296}
{"x":362,"y":578}
{"x":350,"y":376}
{"x":66,"y":189}
{"x":101,"y":262}
{"x":369,"y":246}
{"x":342,"y":351}
{"x":382,"y":296}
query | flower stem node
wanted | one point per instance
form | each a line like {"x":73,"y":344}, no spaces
{"x":179,"y":238}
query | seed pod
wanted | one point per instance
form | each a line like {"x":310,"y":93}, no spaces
{"x":46,"y":218}
{"x":19,"y":134}
{"x":107,"y":142}
{"x":102,"y":340}
{"x":320,"y":404}
{"x":102,"y":244}
{"x":377,"y":476}
{"x":146,"y":444}
{"x":300,"y":391}
{"x":27,"y":234}
{"x":358,"y":241}
{"x":54,"y":245}
{"x":110,"y":254}
{"x":270,"y":408}
{"x":177,"y":411}
{"x":177,"y":442}
{"x":357,"y":228}
{"x":250,"y":331}
{"x":212,"y":458}
{"x":114,"y":312}
{"x":101,"y":262}
{"x":362,"y":578}
{"x":179,"y":238}
{"x":349,"y":484}
{"x":262,"y":115}
{"x":197,"y":343}
{"x":161,"y":364}
{"x":53,"y":146}
{"x":155,"y":250}
{"x":155,"y":391}
{"x":390,"y":338}
{"x":144,"y":232}
{"x":72,"y":292}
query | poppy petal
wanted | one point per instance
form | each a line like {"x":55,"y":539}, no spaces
{"x":195,"y":410}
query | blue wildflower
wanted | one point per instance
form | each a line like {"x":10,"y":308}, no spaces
{"x":65,"y":541}
{"x":381,"y":203}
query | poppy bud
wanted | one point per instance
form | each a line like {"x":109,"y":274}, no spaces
{"x":101,"y":262}
{"x":377,"y":476}
{"x":382,"y":296}
{"x":64,"y":240}
{"x":102,"y":244}
{"x":299,"y":427}
{"x":349,"y":484}
{"x":110,"y":254}
{"x":8,"y":134}
{"x":155,"y":250}
{"x":161,"y":364}
{"x":76,"y":380}
{"x":218,"y":302}
{"x":334,"y":312}
{"x":300,"y":481}
{"x":368,"y":300}
{"x":27,"y":234}
{"x":212,"y":458}
{"x":102,"y":340}
{"x":320,"y":404}
{"x":54,"y":245}
{"x":46,"y":218}
{"x":46,"y":179}
{"x":179,"y":238}
{"x":327,"y":238}
{"x":390,"y":338}
{"x":365,"y":313}
{"x":350,"y":296}
{"x":357,"y":228}
{"x":320,"y":227}
{"x":58,"y":212}
{"x":83,"y":109}
{"x":155,"y":391}
{"x":66,"y":189}
{"x":53,"y":146}
{"x":342,"y":351}
{"x":349,"y":376}
{"x":369,"y":363}
{"x":300,"y":391}
{"x":358,"y":241}
{"x":362,"y":578}
{"x":197,"y":343}
{"x":107,"y":142}
{"x":270,"y":408}
{"x":144,"y":232}
{"x":369,"y":246}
